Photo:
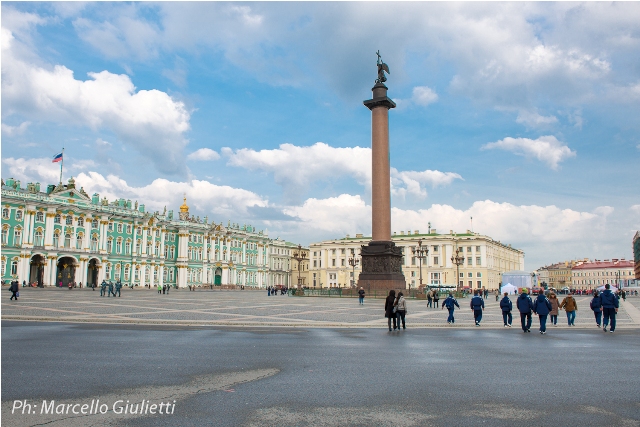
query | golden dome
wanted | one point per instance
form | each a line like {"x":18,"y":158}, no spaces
{"x":184,"y":207}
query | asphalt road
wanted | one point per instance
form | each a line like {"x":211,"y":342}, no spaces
{"x":347,"y":377}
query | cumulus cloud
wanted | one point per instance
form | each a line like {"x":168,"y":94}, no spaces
{"x":148,"y":120}
{"x":203,"y":154}
{"x":294,"y":167}
{"x":547,"y":149}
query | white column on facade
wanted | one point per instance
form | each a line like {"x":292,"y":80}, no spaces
{"x":151,"y":279}
{"x":143,"y":271}
{"x":244,"y":251}
{"x":74,"y":229}
{"x":163,"y":232}
{"x":86,"y":243}
{"x":134,"y":246}
{"x":144,"y":240}
{"x":46,"y":276}
{"x":182,"y":276}
{"x":161,"y":274}
{"x":82,"y":276}
{"x":48,"y":229}
{"x":52,"y":270}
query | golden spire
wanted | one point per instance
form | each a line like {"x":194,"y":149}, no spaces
{"x":184,"y":207}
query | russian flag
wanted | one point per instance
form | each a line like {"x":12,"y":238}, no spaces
{"x":57,"y":158}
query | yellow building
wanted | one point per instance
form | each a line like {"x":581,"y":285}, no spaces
{"x":483,"y":260}
{"x":560,"y":274}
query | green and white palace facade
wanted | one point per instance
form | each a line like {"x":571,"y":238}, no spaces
{"x":61,"y":235}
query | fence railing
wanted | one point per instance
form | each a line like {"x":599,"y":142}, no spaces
{"x":353,"y":293}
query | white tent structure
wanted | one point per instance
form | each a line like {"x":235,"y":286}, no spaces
{"x":509,"y":288}
{"x":519,"y":279}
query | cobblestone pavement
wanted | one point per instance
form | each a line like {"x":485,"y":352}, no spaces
{"x":255,"y":308}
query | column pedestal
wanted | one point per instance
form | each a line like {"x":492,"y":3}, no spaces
{"x":381,"y":266}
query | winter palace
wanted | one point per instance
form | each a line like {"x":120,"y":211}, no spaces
{"x":61,"y":235}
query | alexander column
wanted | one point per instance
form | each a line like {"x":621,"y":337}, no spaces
{"x":381,"y":259}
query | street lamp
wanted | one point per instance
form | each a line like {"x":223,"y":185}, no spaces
{"x":457,"y":259}
{"x":421,"y":253}
{"x":353,"y":261}
{"x":299,"y":256}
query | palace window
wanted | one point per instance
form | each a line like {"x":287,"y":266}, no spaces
{"x":80,"y":222}
{"x":436,"y":261}
{"x":94,"y":223}
{"x":56,"y":219}
{"x":435,"y":248}
{"x":17,"y":237}
{"x":5,"y":233}
{"x":139,"y":246}
{"x":38,"y":238}
{"x":67,"y":240}
{"x":40,"y":216}
{"x":117,"y":272}
{"x":69,"y":220}
{"x":333,"y":262}
{"x":111,"y":226}
{"x":94,"y":243}
{"x":477,"y":248}
{"x":5,"y":213}
{"x":79,"y":237}
{"x":127,"y":247}
{"x":107,"y":270}
{"x":478,"y":274}
{"x":56,"y":238}
{"x":127,"y":270}
{"x":119,"y":228}
{"x":470,"y":261}
{"x":14,"y":267}
{"x":479,"y":283}
{"x":18,"y":215}
{"x":129,"y":229}
{"x":137,"y":273}
{"x":470,"y":274}
{"x":157,"y":251}
{"x":478,"y":261}
{"x":468,"y":248}
{"x":3,"y":267}
{"x":109,"y":245}
{"x":461,"y":275}
{"x":119,"y":246}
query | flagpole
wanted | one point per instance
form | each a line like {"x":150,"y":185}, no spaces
{"x":61,"y":163}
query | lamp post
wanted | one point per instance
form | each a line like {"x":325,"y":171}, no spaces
{"x":353,"y":261}
{"x":299,"y":256}
{"x":457,"y":259}
{"x":421,"y":253}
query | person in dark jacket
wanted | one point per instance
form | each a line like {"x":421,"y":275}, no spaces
{"x":610,"y":306}
{"x":506,"y":305}
{"x":14,"y":290}
{"x":477,"y":305}
{"x":542,"y":307}
{"x":450,"y":303}
{"x":388,"y":309}
{"x":525,"y":305}
{"x":361,"y":296}
{"x":596,"y":306}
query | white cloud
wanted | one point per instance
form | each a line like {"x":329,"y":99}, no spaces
{"x":423,"y":95}
{"x":15,"y":130}
{"x":547,"y":149}
{"x":532,"y":119}
{"x":294,"y":168}
{"x":203,"y":154}
{"x":148,"y":120}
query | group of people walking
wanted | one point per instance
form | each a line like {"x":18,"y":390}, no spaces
{"x":109,"y":288}
{"x":604,"y":306}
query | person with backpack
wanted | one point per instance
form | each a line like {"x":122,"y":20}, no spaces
{"x":610,"y":306}
{"x":450,"y":303}
{"x":14,"y":290}
{"x":542,"y":307}
{"x":389,"y":309}
{"x":596,"y":306}
{"x":401,"y":309}
{"x":436,"y":298}
{"x":477,"y":305}
{"x":506,"y":305}
{"x":525,"y":306}
{"x":570,"y":306}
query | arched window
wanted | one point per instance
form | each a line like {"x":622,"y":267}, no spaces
{"x":139,"y":246}
{"x":5,"y":213}
{"x":40,"y":216}
{"x":14,"y":267}
{"x":107,"y":271}
{"x":38,"y":239}
{"x":137,"y":272}
{"x":94,"y":243}
{"x":5,"y":234}
{"x":157,"y":252}
{"x":119,"y":228}
{"x":56,"y":238}
{"x":127,"y":270}
{"x":155,"y":274}
{"x":80,"y":222}
{"x":117,"y":272}
{"x":127,"y":247}
{"x":17,"y":236}
{"x":67,"y":240}
{"x":18,"y":215}
{"x":146,"y":274}
{"x":94,"y":223}
{"x":69,"y":220}
{"x":56,"y":219}
{"x":119,"y":245}
{"x":109,"y":244}
{"x":79,"y":238}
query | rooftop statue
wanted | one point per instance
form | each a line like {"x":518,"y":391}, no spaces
{"x":382,"y":68}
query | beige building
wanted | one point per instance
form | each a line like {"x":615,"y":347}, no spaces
{"x":484,"y":260}
{"x":559,"y":275}
{"x":284,"y":266}
{"x":597,"y":273}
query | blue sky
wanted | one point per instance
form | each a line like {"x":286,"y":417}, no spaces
{"x":522,"y":115}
